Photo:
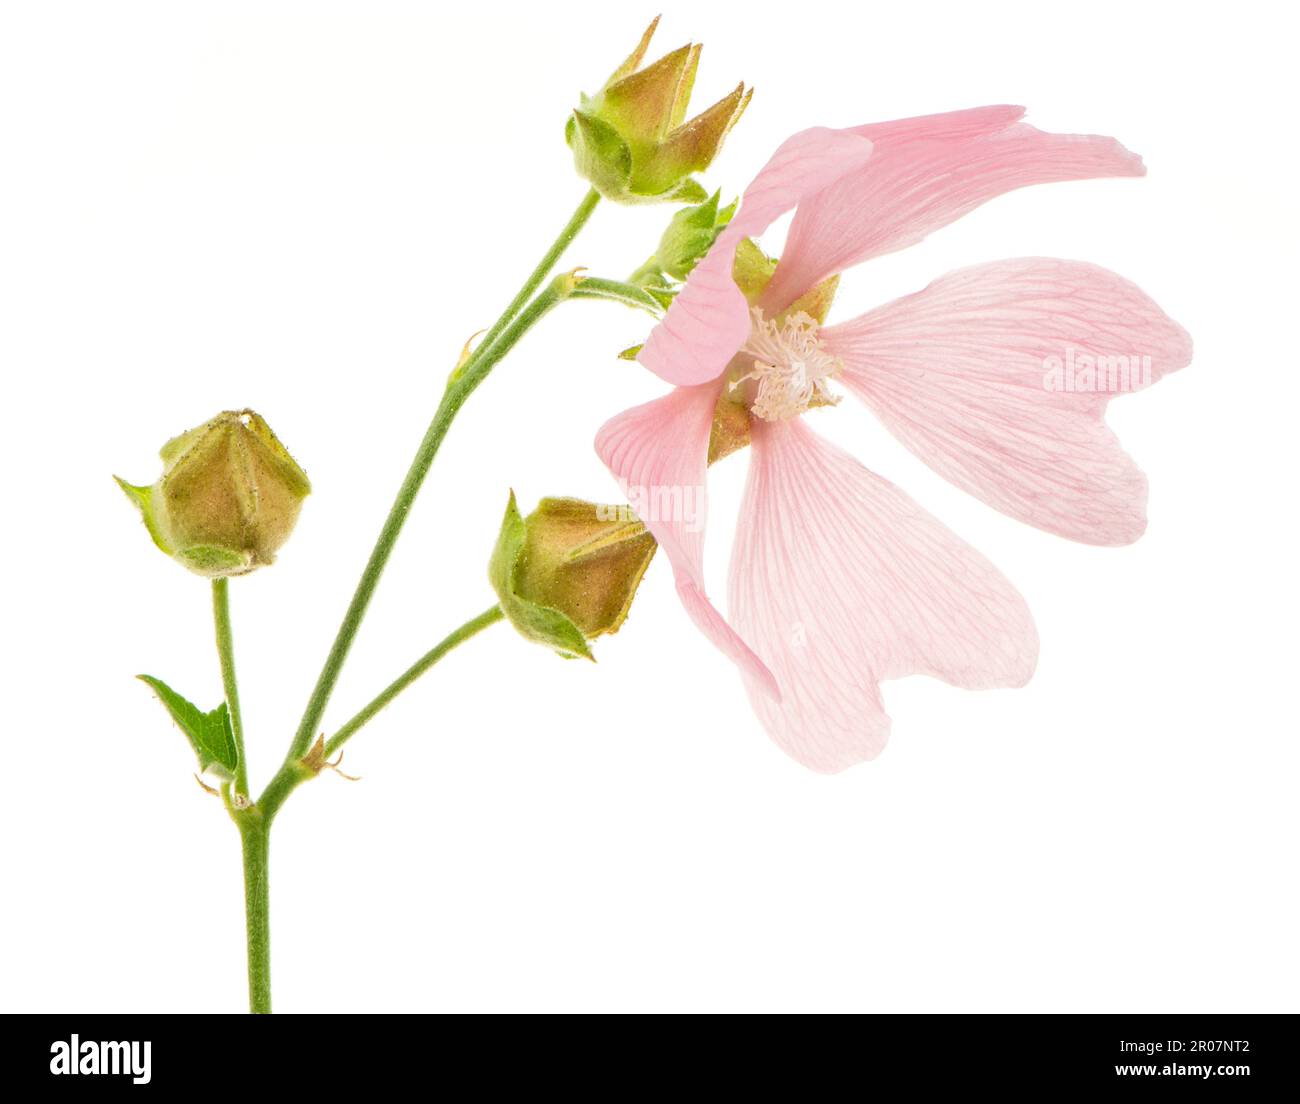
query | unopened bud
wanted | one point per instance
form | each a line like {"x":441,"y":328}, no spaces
{"x":567,"y":573}
{"x":228,"y":498}
{"x":632,"y":139}
{"x":690,"y":234}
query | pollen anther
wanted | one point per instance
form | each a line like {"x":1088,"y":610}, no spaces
{"x":791,"y":367}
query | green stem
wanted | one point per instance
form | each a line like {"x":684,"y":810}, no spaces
{"x":649,"y":269}
{"x":500,"y":340}
{"x":459,"y":388}
{"x":616,"y":291}
{"x":226,"y":651}
{"x":549,"y":260}
{"x":255,"y":822}
{"x":419,"y":667}
{"x":254,"y":831}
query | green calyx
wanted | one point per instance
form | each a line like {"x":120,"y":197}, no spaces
{"x":567,"y":573}
{"x":632,"y":140}
{"x":228,"y":498}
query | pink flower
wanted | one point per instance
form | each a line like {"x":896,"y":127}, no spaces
{"x":997,"y":376}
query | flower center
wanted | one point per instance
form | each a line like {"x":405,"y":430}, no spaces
{"x":790,"y":368}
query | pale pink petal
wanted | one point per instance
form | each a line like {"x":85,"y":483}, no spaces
{"x":971,"y":122}
{"x":839,"y":580}
{"x":659,"y":454}
{"x":709,"y":320}
{"x":924,"y":174}
{"x":960,"y":373}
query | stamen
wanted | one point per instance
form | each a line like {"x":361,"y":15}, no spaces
{"x":790,"y":367}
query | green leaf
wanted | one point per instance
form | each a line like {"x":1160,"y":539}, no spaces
{"x":209,"y":733}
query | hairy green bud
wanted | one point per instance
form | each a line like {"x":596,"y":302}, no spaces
{"x":228,"y":498}
{"x":567,"y":573}
{"x":632,"y":139}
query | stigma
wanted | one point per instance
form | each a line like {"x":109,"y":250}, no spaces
{"x":790,"y":369}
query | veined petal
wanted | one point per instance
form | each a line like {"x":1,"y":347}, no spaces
{"x":659,"y":454}
{"x":709,"y":319}
{"x":947,"y":126}
{"x":998,"y":376}
{"x":925,"y":173}
{"x":839,"y":580}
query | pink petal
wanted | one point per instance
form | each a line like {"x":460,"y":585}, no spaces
{"x":972,"y":122}
{"x":924,"y":174}
{"x":659,"y":454}
{"x":958,"y":373}
{"x":840,"y":580}
{"x":709,"y":320}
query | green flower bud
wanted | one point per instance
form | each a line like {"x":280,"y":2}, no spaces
{"x":567,"y":573}
{"x":690,"y":234}
{"x":630,"y":140}
{"x":228,"y":497}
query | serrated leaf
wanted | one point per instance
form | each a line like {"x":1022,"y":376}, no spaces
{"x":210,"y":734}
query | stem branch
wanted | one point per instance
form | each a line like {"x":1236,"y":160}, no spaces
{"x":500,"y":339}
{"x":254,"y":823}
{"x":549,"y":260}
{"x":462,"y":384}
{"x":419,"y":667}
{"x":596,"y":287}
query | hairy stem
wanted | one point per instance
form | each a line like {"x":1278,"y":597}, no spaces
{"x":512,"y":325}
{"x":549,"y":260}
{"x":226,"y":652}
{"x":616,"y":291}
{"x":463,"y":383}
{"x":254,"y":832}
{"x":522,"y":313}
{"x":419,"y":667}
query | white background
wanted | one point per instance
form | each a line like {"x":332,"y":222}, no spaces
{"x":308,"y":209}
